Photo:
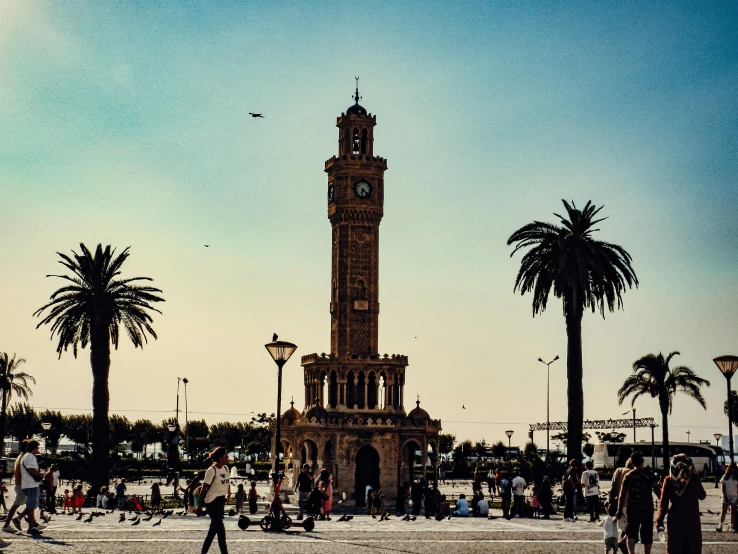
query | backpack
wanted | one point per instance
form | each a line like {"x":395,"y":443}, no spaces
{"x":505,"y":489}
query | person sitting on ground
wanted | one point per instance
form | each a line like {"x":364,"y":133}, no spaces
{"x":483,"y":507}
{"x":462,"y":507}
{"x":444,"y":508}
{"x":477,"y":494}
{"x":100,"y":496}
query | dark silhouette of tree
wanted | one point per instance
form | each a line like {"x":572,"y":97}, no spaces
{"x":198,"y":432}
{"x":143,"y":433}
{"x":563,"y":437}
{"x":588,"y":449}
{"x":653,"y":377}
{"x":733,"y":406}
{"x":583,"y":272}
{"x":23,"y":422}
{"x":120,"y":430}
{"x":78,"y":429}
{"x":530,"y":451}
{"x":446,"y":442}
{"x":610,"y":436}
{"x":52,"y":434}
{"x":92,"y":306}
{"x":12,"y":382}
{"x":499,"y":449}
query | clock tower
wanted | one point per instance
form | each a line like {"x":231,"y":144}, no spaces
{"x":355,"y":203}
{"x":354,"y":422}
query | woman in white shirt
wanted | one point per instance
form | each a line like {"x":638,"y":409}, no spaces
{"x":215,"y":491}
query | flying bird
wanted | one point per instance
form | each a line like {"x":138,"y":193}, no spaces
{"x":157,"y":523}
{"x":206,"y":245}
{"x":463,"y":407}
{"x":274,"y":337}
{"x":255,"y":115}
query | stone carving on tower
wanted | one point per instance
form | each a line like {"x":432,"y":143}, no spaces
{"x":354,"y":422}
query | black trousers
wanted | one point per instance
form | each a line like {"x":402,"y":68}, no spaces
{"x":215,"y":511}
{"x":569,"y":506}
{"x":593,"y":503}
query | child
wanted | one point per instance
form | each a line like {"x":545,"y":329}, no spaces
{"x":253,"y":497}
{"x":67,"y":502}
{"x":610,"y":526}
{"x":535,"y":503}
{"x":240,"y":498}
{"x":78,"y":499}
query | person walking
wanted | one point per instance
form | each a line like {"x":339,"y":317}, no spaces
{"x":326,"y":491}
{"x":591,"y":486}
{"x":120,"y":493}
{"x":215,"y":492}
{"x":401,"y":499}
{"x":30,"y":478}
{"x":637,"y":497}
{"x":416,"y":496}
{"x":519,"y":485}
{"x":610,"y":526}
{"x":304,"y":487}
{"x":545,"y":496}
{"x":570,"y":489}
{"x":729,"y":489}
{"x":506,"y":496}
{"x":623,"y":466}
{"x":680,"y":499}
{"x":20,"y":498}
{"x":253,"y":498}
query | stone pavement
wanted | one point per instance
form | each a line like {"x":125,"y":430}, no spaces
{"x":184,"y":534}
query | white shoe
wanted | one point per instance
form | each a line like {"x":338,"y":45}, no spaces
{"x":11,"y":530}
{"x":40,"y":526}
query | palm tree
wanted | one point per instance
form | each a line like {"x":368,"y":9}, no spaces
{"x":12,"y":382}
{"x":652,"y":376}
{"x":89,"y":309}
{"x":584,"y":273}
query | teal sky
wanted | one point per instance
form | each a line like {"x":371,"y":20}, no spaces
{"x":127,"y":123}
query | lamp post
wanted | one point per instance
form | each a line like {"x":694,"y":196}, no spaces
{"x":688,"y":433}
{"x":280,"y":351}
{"x":634,"y":422}
{"x":187,"y":429}
{"x":653,"y":447}
{"x":509,"y":435}
{"x":548,"y":399}
{"x":728,"y":365}
{"x":718,"y":436}
{"x":46,"y":425}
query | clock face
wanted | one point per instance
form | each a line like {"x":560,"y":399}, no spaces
{"x":362,"y":189}
{"x":330,"y":193}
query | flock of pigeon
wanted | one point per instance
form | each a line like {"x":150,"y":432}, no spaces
{"x":136,"y":520}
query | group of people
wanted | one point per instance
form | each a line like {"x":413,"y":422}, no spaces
{"x":315,"y":497}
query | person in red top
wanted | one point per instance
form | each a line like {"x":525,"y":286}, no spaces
{"x":680,"y":498}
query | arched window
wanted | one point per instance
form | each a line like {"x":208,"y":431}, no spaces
{"x":350,"y":390}
{"x":371,"y":391}
{"x":333,"y":390}
{"x":357,"y":146}
{"x":360,"y":391}
{"x":363,"y":141}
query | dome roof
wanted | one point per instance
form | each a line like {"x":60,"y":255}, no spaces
{"x":316,"y":411}
{"x":292,"y":414}
{"x":418,"y":415}
{"x":356,"y":109}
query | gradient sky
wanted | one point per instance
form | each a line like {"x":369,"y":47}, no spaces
{"x":126,"y":123}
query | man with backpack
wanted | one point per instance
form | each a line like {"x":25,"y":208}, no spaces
{"x":506,"y":495}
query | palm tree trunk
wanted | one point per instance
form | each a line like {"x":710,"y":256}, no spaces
{"x":100,"y":362}
{"x":574,"y":371}
{"x":2,"y":422}
{"x":664,"y":405}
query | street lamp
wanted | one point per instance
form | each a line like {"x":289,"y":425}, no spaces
{"x":653,"y":447}
{"x":187,"y":430}
{"x":509,"y":435}
{"x":46,"y":425}
{"x":280,"y":351}
{"x":688,"y":433}
{"x":717,"y":436}
{"x":548,"y":397}
{"x":728,"y":365}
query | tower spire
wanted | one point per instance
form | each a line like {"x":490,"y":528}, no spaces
{"x":356,"y":96}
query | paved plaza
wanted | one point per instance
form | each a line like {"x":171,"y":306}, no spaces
{"x":182,"y":534}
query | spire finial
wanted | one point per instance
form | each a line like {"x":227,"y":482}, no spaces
{"x":292,"y":402}
{"x":356,"y":95}
{"x":417,"y":402}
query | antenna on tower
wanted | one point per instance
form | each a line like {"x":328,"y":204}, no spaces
{"x":356,"y":96}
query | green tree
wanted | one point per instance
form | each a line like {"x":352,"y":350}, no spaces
{"x":12,"y":382}
{"x":23,"y":422}
{"x":531,"y":451}
{"x":120,"y":430}
{"x":583,"y":272}
{"x":446,"y":442}
{"x":653,"y":377}
{"x":52,"y":434}
{"x":480,"y":448}
{"x":610,"y":436}
{"x":563,"y":437}
{"x":499,"y":449}
{"x":198,"y":432}
{"x":733,"y":406}
{"x":78,"y":429}
{"x":226,"y":434}
{"x":143,"y":433}
{"x":92,"y":306}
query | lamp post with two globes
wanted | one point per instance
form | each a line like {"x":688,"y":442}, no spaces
{"x":728,"y":365}
{"x":548,"y":398}
{"x":280,"y":351}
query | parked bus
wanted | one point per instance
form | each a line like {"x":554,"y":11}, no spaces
{"x":704,"y":457}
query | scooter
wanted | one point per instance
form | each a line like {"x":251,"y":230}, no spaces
{"x":277,"y":520}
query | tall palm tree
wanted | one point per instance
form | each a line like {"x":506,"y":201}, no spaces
{"x":89,"y":309}
{"x":583,"y":272}
{"x":652,"y":376}
{"x":12,"y":382}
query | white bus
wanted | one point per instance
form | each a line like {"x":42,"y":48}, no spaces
{"x":703,"y":456}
